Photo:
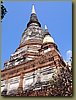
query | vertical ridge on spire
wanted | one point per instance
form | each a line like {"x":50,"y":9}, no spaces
{"x":33,"y":10}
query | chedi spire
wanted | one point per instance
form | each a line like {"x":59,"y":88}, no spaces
{"x":33,"y":10}
{"x":33,"y":18}
{"x":46,"y":27}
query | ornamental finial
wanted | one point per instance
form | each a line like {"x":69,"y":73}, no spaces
{"x":33,"y":9}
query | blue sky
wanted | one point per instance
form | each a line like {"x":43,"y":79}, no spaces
{"x":56,"y":15}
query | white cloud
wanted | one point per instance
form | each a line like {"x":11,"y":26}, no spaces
{"x":68,"y":55}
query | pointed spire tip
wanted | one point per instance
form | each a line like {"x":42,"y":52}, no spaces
{"x":46,"y":27}
{"x":33,"y":9}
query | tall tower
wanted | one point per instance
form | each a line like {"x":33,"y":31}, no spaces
{"x":33,"y":63}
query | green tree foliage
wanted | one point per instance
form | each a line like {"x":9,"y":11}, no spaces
{"x":3,"y":11}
